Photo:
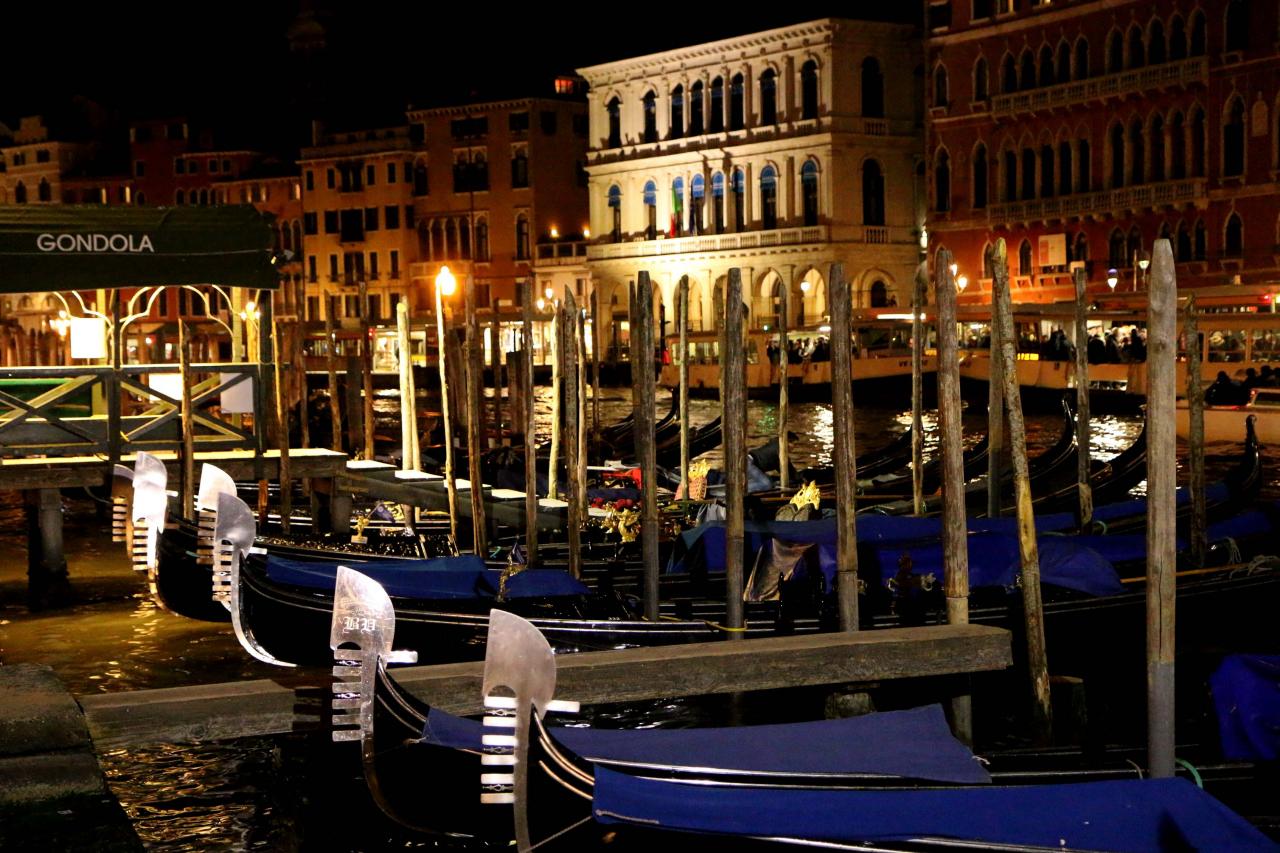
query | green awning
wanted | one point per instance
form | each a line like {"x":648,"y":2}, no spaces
{"x":74,"y":247}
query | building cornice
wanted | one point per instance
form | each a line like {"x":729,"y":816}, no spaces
{"x":1019,"y":21}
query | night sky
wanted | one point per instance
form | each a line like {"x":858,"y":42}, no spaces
{"x":230,"y":62}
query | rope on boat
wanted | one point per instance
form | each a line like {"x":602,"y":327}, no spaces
{"x":1137,"y":767}
{"x":1191,"y":768}
{"x":708,"y":623}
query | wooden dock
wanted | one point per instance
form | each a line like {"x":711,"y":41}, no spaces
{"x":269,"y":706}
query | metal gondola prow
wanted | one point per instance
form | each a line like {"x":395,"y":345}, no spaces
{"x":234,"y":532}
{"x":150,"y":506}
{"x":213,"y":482}
{"x":121,"y":500}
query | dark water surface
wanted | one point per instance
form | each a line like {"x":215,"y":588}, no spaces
{"x":297,"y":792}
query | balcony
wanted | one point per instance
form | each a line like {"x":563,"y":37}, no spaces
{"x":710,"y":243}
{"x":561,"y":254}
{"x":1084,"y":204}
{"x":1182,"y":73}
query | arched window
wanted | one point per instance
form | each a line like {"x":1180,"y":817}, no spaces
{"x":941,"y":97}
{"x":1177,"y":148}
{"x":1026,"y":70}
{"x":1177,"y":40}
{"x":1010,"y":176}
{"x":1202,"y":241}
{"x":614,"y":109}
{"x":1115,"y":52}
{"x":1137,"y":154}
{"x":1065,"y":176}
{"x":980,"y":81}
{"x":979,"y":190}
{"x":1028,"y":174}
{"x":522,"y":237}
{"x":20,"y":193}
{"x":872,"y":193}
{"x":1233,"y":138}
{"x":809,"y":90}
{"x":1008,"y":75}
{"x":1236,"y":26}
{"x":44,"y":192}
{"x":297,"y":234}
{"x":1197,"y":143}
{"x":420,"y":186}
{"x":1116,"y":140}
{"x":697,"y":204}
{"x":676,"y":128}
{"x":520,"y":169}
{"x":464,"y":239}
{"x":1083,"y":166}
{"x":695,"y":109}
{"x":1155,"y":43}
{"x":650,"y":102}
{"x":1133,"y":247}
{"x":651,"y":210}
{"x":768,"y":198}
{"x":1082,"y":59}
{"x":872,"y":88}
{"x":677,"y":208}
{"x":1046,"y":66}
{"x":809,"y":192}
{"x":1116,"y":249}
{"x":768,"y":97}
{"x":738,"y":186}
{"x":438,"y":247}
{"x":1046,"y":171}
{"x":942,"y":181}
{"x":1183,"y":243}
{"x":879,"y":294}
{"x":717,"y":202}
{"x":1198,"y":38}
{"x":737,"y":103}
{"x":615,"y":212}
{"x":1156,"y":170}
{"x":1234,"y":244}
{"x":451,"y":239}
{"x":1081,"y":250}
{"x":1166,"y":232}
{"x":715,"y":121}
{"x":1137,"y":50}
{"x":1024,"y":258}
{"x":1062,"y":66}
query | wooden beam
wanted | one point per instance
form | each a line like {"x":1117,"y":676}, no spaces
{"x":733,"y":414}
{"x":918,"y":293}
{"x":682,"y":328}
{"x":446,"y":411}
{"x":1162,"y":485}
{"x":597,"y":335}
{"x":784,"y":386}
{"x":475,"y":391}
{"x":1195,"y":438}
{"x":187,"y":497}
{"x":995,"y":418}
{"x":643,"y":380}
{"x":331,"y":367}
{"x":845,"y":454}
{"x":1085,"y":504}
{"x":211,"y":712}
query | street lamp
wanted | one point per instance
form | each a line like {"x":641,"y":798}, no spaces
{"x":962,"y":282}
{"x":446,"y":284}
{"x":1143,"y":263}
{"x":1112,"y":279}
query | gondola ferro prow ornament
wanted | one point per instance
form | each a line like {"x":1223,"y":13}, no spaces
{"x":121,"y":500}
{"x":519,"y":680}
{"x":213,"y":482}
{"x":234,"y":532}
{"x":150,"y":506}
{"x":361,"y":635}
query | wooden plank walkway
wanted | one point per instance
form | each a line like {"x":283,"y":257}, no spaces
{"x":60,"y":472}
{"x":267,"y":707}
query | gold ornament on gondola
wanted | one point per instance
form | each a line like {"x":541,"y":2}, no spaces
{"x":624,"y":522}
{"x":697,"y":485}
{"x":807,"y":495}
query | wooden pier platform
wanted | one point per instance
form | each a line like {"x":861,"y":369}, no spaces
{"x":268,"y":706}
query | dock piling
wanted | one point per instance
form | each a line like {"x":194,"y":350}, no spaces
{"x":682,"y":326}
{"x":643,"y":380}
{"x":1085,"y":505}
{"x":187,"y":495}
{"x":784,"y":387}
{"x":733,"y":402}
{"x":443,"y":364}
{"x":1195,"y":436}
{"x":529,"y":426}
{"x":475,"y":393}
{"x":918,"y":292}
{"x":845,"y":453}
{"x":569,"y":379}
{"x":331,"y":367}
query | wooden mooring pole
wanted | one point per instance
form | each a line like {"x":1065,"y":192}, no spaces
{"x":331,"y":367}
{"x":495,"y":365}
{"x":955,"y":536}
{"x":1195,"y":414}
{"x":845,"y":453}
{"x":570,"y":368}
{"x":1028,"y":550}
{"x":918,"y":291}
{"x":441,"y":283}
{"x":557,"y":400}
{"x":366,"y":370}
{"x":580,"y":345}
{"x":188,"y":494}
{"x":643,"y":380}
{"x":475,"y":395}
{"x":529,"y":426}
{"x":407,"y":415}
{"x":285,"y":476}
{"x":682,"y":326}
{"x":1085,"y":504}
{"x":733,"y":419}
{"x":784,"y":387}
{"x":596,"y":336}
{"x":1162,"y":484}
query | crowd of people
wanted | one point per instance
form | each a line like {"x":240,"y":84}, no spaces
{"x":1119,"y":345}
{"x":1226,"y":391}
{"x":801,"y":349}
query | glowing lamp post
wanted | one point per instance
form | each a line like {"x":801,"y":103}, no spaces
{"x":1112,"y":279}
{"x":446,"y":285}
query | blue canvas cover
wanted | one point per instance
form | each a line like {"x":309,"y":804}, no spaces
{"x":1130,"y":815}
{"x":912,"y":744}
{"x":440,"y":578}
{"x":1246,"y":696}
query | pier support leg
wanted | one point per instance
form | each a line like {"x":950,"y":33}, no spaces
{"x":47,"y":581}
{"x":340,"y":512}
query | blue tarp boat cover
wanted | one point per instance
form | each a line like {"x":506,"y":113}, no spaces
{"x":1130,"y":815}
{"x":913,"y":744}
{"x":1246,"y":695}
{"x":441,"y":578}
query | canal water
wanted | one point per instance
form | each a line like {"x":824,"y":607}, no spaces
{"x":298,"y":792}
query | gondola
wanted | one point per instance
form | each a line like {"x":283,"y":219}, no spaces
{"x":898,"y":780}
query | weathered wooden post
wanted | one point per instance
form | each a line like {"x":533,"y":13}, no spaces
{"x":331,"y":366}
{"x":682,"y":327}
{"x":643,"y":380}
{"x":1085,"y":506}
{"x":407,"y":413}
{"x":569,"y":371}
{"x":188,"y":423}
{"x":1162,"y":484}
{"x":557,"y":401}
{"x":475,"y":392}
{"x":1195,"y":435}
{"x":784,"y":386}
{"x":1028,"y":550}
{"x":733,"y":418}
{"x":596,"y":337}
{"x":529,"y":426}
{"x":918,"y":289}
{"x":580,"y":344}
{"x":366,"y":369}
{"x":495,"y":365}
{"x":845,"y":453}
{"x":444,"y":286}
{"x":955,"y":534}
{"x":285,"y":474}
